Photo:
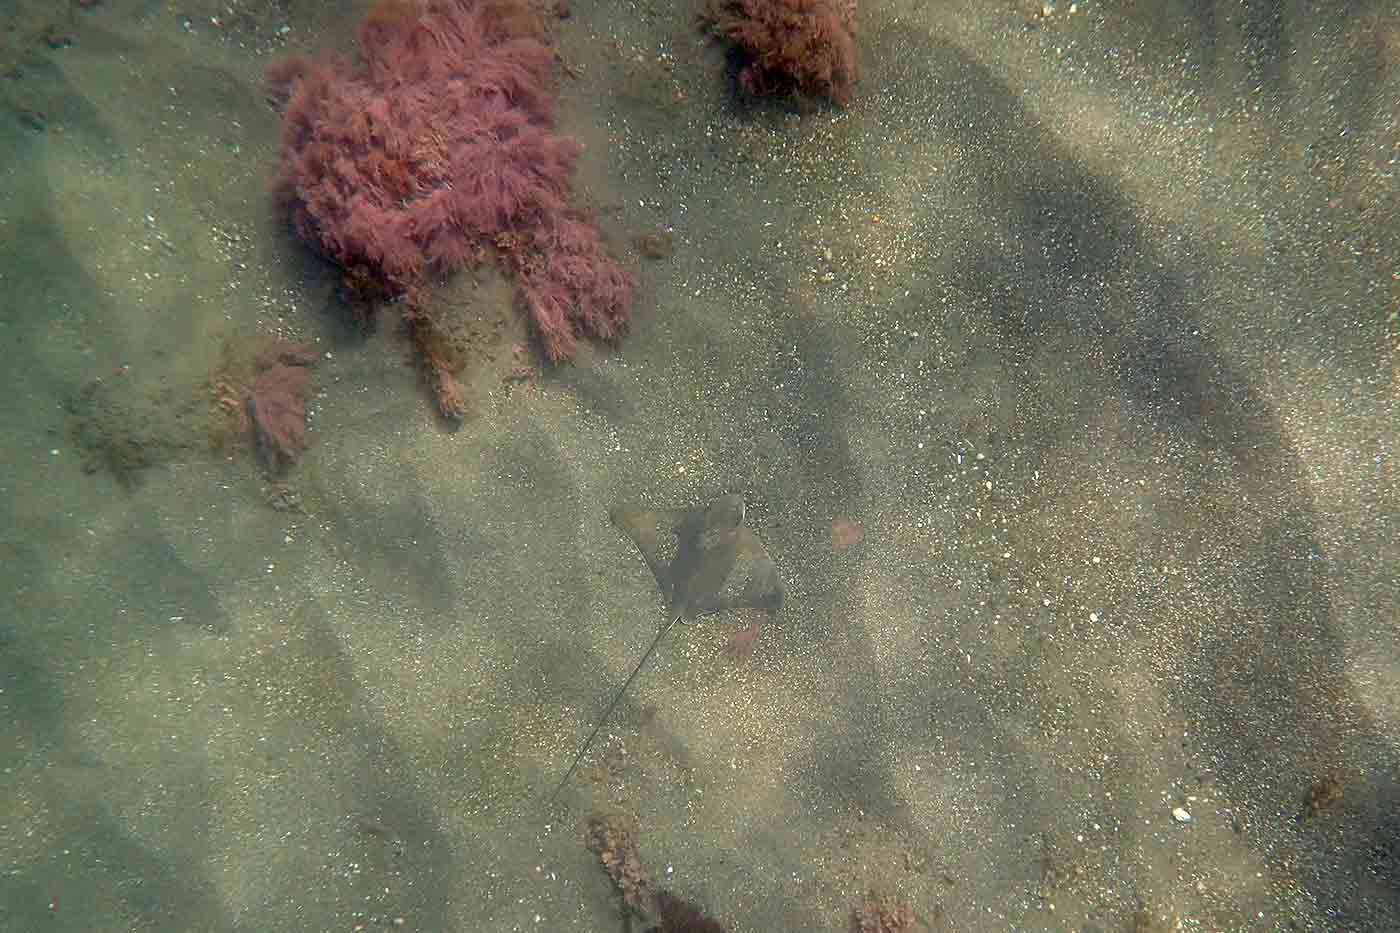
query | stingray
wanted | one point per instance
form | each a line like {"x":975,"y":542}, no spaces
{"x":705,"y":560}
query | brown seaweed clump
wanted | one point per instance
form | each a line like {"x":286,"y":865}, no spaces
{"x":614,"y":840}
{"x":681,"y":916}
{"x":1323,"y":795}
{"x":276,"y":404}
{"x":785,"y":45}
{"x":881,"y":913}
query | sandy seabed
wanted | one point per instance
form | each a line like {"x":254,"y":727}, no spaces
{"x":1087,"y":321}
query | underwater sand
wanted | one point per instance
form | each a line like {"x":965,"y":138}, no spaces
{"x":1088,"y":320}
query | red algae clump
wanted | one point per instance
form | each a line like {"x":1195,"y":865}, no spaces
{"x":435,"y":150}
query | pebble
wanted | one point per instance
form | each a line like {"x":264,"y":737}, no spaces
{"x":1180,"y":815}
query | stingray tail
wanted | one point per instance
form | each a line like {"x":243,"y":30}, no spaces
{"x":613,"y":705}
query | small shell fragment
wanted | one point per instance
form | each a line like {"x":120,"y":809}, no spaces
{"x":1180,"y":815}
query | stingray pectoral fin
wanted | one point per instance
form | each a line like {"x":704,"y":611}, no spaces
{"x":653,"y":522}
{"x":753,"y":581}
{"x":644,"y":528}
{"x":633,"y":521}
{"x":656,"y":534}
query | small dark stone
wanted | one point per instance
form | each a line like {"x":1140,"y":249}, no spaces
{"x":56,"y":39}
{"x":660,"y":244}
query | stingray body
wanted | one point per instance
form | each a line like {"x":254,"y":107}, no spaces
{"x":704,"y":560}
